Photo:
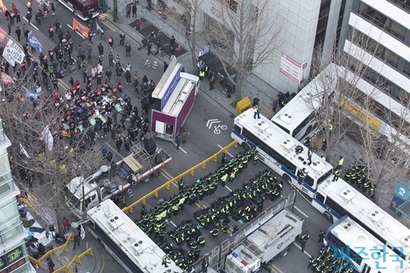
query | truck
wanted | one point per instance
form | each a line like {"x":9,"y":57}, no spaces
{"x":145,"y":161}
{"x":262,"y":244}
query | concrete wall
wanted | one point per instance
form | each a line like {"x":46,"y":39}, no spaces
{"x":298,"y":22}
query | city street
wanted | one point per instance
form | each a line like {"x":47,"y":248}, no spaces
{"x":205,"y":138}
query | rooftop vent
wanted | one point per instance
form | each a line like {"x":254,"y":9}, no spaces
{"x":114,"y":222}
{"x":347,"y":195}
{"x":375,"y":216}
{"x":261,"y":125}
{"x":406,"y":240}
{"x":137,"y":247}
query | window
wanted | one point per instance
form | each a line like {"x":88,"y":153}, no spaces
{"x":4,"y":163}
{"x":383,"y":22}
{"x":406,"y":70}
{"x":302,"y":125}
{"x":403,"y":96}
{"x":320,"y":197}
{"x":404,"y":4}
{"x":335,"y":206}
{"x":236,"y":128}
{"x":309,"y":180}
{"x":375,"y":48}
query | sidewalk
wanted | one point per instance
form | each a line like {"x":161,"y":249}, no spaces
{"x":88,"y":263}
{"x":67,"y":256}
{"x":253,"y":87}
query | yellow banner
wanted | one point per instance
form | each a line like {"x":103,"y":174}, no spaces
{"x":83,"y":30}
{"x":360,"y":113}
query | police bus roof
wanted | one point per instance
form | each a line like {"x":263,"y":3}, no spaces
{"x":275,"y":137}
{"x":130,"y":238}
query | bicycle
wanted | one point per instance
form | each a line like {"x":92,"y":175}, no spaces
{"x":218,"y":128}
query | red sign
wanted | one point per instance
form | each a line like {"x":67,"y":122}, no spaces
{"x":83,"y":30}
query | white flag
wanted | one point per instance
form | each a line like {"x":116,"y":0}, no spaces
{"x":99,"y":28}
{"x":13,"y":53}
{"x":48,"y":138}
{"x":82,"y":232}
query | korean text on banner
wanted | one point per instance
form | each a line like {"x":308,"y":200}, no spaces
{"x":291,"y":68}
{"x":13,"y":53}
{"x":83,"y":30}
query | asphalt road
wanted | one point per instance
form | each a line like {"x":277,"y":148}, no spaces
{"x":202,"y":142}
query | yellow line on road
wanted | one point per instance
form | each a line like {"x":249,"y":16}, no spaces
{"x":102,"y":22}
{"x":63,"y":84}
{"x":168,"y":176}
{"x":268,"y":110}
{"x":275,"y":269}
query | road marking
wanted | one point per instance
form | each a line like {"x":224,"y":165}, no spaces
{"x":166,"y":174}
{"x":63,"y":84}
{"x":228,"y":152}
{"x":180,"y":148}
{"x":31,"y":24}
{"x":301,"y":212}
{"x":267,"y":109}
{"x":211,"y":122}
{"x":103,"y":263}
{"x":304,"y":251}
{"x":108,"y":26}
{"x":229,"y":189}
{"x":76,"y":31}
{"x":172,"y":223}
{"x":274,"y":268}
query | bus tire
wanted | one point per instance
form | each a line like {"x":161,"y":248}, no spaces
{"x":156,"y":173}
{"x":146,"y":179}
{"x":328,"y":216}
{"x":284,"y":252}
{"x":245,"y":146}
{"x":286,"y":178}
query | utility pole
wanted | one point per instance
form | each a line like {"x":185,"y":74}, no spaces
{"x":115,"y":12}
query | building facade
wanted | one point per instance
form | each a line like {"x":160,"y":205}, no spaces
{"x":308,"y":29}
{"x":13,"y":252}
{"x":378,"y":39}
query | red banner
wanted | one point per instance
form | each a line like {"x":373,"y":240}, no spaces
{"x":83,"y":30}
{"x":3,"y":34}
{"x":6,"y":79}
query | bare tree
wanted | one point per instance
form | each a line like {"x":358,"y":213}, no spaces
{"x":387,"y":158}
{"x":350,"y":111}
{"x":246,"y":36}
{"x":44,"y":155}
{"x":187,"y":20}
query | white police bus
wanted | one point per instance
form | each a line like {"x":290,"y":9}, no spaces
{"x":364,"y":252}
{"x":125,"y":241}
{"x":281,"y":152}
{"x":298,"y":116}
{"x":337,"y":199}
